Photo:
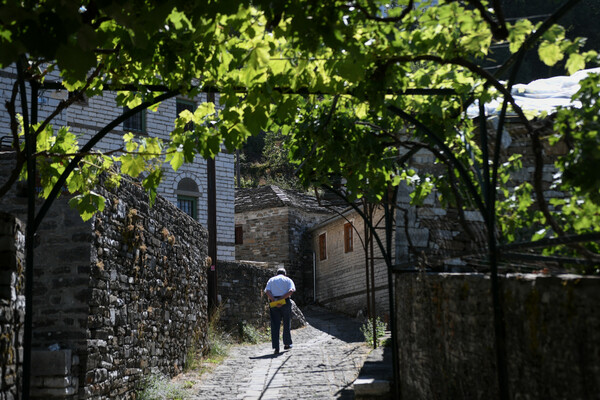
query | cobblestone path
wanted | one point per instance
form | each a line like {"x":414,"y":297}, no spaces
{"x":324,"y":361}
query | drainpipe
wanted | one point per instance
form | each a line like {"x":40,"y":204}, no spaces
{"x":314,"y":277}
{"x":238,"y":170}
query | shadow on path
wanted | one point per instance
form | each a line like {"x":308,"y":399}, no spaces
{"x":340,"y":326}
{"x":268,"y":385}
{"x":266,"y":356}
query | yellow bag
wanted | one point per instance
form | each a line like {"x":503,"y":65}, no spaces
{"x":276,"y":303}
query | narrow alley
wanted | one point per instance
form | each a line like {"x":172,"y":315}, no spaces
{"x":324,"y":362}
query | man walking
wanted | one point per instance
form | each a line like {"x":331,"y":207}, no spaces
{"x":280,"y":287}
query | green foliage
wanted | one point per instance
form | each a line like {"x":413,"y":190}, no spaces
{"x":265,"y":161}
{"x":579,"y":129}
{"x":250,"y":334}
{"x":330,"y":83}
{"x":580,"y":21}
{"x":159,"y":387}
{"x":367,"y":331}
{"x":218,"y":340}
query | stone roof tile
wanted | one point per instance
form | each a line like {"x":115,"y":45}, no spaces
{"x":271,"y":196}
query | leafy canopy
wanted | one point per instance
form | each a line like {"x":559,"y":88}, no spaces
{"x":357,"y":88}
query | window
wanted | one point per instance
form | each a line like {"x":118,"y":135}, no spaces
{"x":188,"y":205}
{"x":239,"y":234}
{"x":136,"y":123}
{"x":348,"y":231}
{"x":187,"y":197}
{"x":182,"y":105}
{"x":323,"y":246}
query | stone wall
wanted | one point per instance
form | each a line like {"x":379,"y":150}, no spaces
{"x":12,"y":305}
{"x":446,"y":336}
{"x":147,"y":299}
{"x":265,"y":235}
{"x":241,"y":289}
{"x":124,"y":295}
{"x":61,"y":269}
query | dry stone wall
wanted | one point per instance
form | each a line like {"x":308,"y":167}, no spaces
{"x":114,"y":298}
{"x":243,"y":301}
{"x":147,"y":301}
{"x":12,"y":305}
{"x":446,"y":336}
{"x":241,"y":291}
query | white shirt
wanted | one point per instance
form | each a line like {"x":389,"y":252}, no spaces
{"x":280,"y":285}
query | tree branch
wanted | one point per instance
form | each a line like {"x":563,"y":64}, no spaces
{"x":14,"y":129}
{"x":370,"y":16}
{"x":455,"y":162}
{"x":46,"y":153}
{"x":498,"y":27}
{"x":490,"y":79}
{"x":535,"y":36}
{"x":278,"y":89}
{"x":90,"y":145}
{"x":539,"y":194}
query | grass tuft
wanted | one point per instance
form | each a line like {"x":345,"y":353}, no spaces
{"x":367,"y":330}
{"x":159,"y":387}
{"x":250,"y":334}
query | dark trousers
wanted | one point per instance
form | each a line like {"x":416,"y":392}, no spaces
{"x":277,"y":315}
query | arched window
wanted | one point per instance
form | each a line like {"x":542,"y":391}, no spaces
{"x":187,"y":197}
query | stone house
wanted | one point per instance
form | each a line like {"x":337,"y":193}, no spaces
{"x":341,"y":259}
{"x":341,"y":267}
{"x":433,"y":232}
{"x":272,"y":224}
{"x":186,"y":187}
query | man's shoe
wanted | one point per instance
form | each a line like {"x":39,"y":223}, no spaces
{"x":287,"y":347}
{"x":276,"y":351}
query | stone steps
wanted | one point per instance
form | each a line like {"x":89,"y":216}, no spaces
{"x":374,"y":381}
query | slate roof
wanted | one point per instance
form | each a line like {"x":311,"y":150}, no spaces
{"x":541,"y":95}
{"x":271,"y":196}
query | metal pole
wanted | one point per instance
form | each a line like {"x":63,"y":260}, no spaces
{"x":314,"y":277}
{"x":238,"y":170}
{"x":389,"y":207}
{"x":212,"y":227}
{"x":372,"y":252}
{"x":30,"y":146}
{"x":489,"y":194}
{"x":366,"y":244}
